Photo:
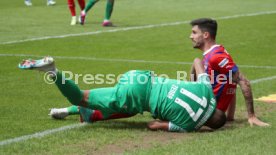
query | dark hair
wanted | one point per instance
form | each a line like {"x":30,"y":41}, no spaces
{"x":206,"y":25}
{"x":217,"y":120}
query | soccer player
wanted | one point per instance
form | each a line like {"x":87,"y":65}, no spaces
{"x":218,"y":64}
{"x":181,"y":106}
{"x":71,"y":5}
{"x":49,"y":2}
{"x":108,"y":12}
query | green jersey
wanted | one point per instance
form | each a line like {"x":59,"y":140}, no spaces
{"x":129,"y":96}
{"x":187,"y":105}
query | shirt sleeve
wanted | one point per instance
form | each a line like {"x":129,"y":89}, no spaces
{"x":175,"y":128}
{"x":223,"y":63}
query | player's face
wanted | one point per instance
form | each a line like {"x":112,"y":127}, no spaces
{"x":197,"y":37}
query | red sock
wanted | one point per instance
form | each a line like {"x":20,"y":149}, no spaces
{"x":71,"y":5}
{"x":81,"y":4}
{"x":116,"y":116}
{"x":96,"y":116}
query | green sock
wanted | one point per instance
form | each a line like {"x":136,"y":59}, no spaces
{"x":109,"y":9}
{"x":69,"y":89}
{"x":73,"y":110}
{"x":89,"y":5}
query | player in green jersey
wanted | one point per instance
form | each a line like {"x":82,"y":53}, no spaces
{"x":108,"y":12}
{"x":181,"y":106}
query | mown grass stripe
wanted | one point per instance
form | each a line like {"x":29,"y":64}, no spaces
{"x":134,"y":28}
{"x":124,"y":60}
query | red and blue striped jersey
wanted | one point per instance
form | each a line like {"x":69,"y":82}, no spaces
{"x":220,"y":66}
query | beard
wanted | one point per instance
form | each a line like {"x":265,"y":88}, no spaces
{"x":198,"y":44}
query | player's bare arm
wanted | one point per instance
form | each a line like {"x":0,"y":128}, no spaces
{"x":245,"y":86}
{"x":158,"y":125}
{"x":246,"y":90}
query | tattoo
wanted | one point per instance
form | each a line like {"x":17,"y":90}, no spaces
{"x":247,"y":93}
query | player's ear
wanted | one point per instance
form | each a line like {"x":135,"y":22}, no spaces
{"x":206,"y":35}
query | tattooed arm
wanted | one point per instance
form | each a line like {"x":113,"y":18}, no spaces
{"x":245,"y":86}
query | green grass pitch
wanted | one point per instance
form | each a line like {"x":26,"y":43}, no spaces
{"x":246,"y":31}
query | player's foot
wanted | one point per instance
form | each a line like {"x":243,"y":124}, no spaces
{"x":86,"y":114}
{"x":107,"y":23}
{"x":74,"y":20}
{"x":82,"y":17}
{"x":28,"y":3}
{"x":51,"y":3}
{"x":59,"y":113}
{"x":46,"y":64}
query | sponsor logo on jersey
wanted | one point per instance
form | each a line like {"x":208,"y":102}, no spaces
{"x":223,"y":62}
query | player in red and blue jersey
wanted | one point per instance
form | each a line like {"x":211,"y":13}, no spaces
{"x":219,"y":64}
{"x":224,"y":73}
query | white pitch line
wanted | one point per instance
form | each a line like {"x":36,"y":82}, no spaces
{"x":262,"y":79}
{"x":40,"y":134}
{"x":69,"y":127}
{"x":134,"y":28}
{"x":124,"y":60}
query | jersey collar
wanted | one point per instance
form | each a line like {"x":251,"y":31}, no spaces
{"x":210,"y":49}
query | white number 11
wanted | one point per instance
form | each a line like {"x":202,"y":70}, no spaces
{"x":200,"y":101}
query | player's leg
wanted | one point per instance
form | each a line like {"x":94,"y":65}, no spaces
{"x":108,"y":13}
{"x":61,"y":113}
{"x":86,"y":114}
{"x":71,"y":5}
{"x":67,"y":87}
{"x":81,"y":4}
{"x":103,"y":99}
{"x":88,"y":6}
{"x":90,"y":116}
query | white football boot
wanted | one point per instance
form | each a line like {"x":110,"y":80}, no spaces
{"x":47,"y":64}
{"x":58,"y":113}
{"x":74,"y":20}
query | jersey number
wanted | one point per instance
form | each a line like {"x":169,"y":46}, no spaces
{"x":201,"y":101}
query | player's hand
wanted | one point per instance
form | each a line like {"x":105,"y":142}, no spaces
{"x":158,"y":125}
{"x":253,"y":120}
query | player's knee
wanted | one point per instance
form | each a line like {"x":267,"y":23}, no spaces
{"x":197,"y":61}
